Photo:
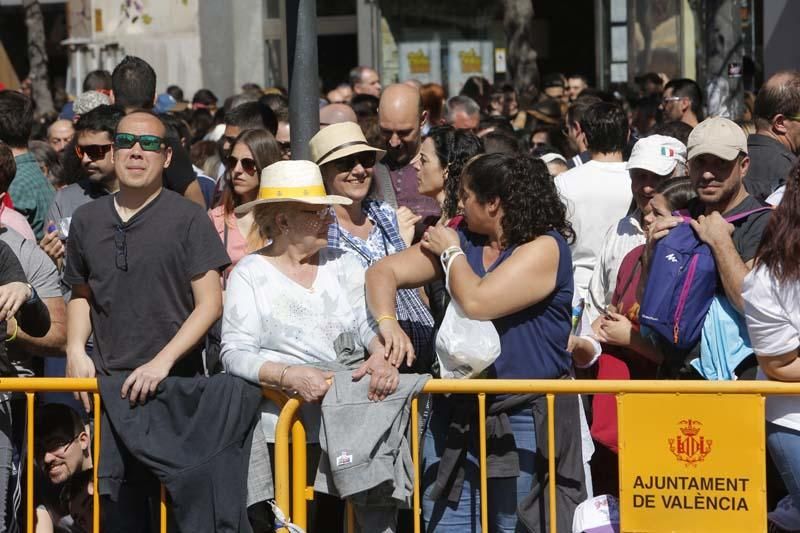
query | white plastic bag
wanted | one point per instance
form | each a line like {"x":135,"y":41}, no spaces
{"x":464,"y":347}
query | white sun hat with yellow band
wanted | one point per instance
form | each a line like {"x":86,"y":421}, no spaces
{"x":292,"y":181}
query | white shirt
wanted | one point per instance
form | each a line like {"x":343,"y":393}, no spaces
{"x":776,"y":197}
{"x":269,"y":317}
{"x":619,"y":240}
{"x":772,"y":311}
{"x":597,"y":194}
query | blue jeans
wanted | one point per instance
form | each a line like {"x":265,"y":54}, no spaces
{"x":784,"y":447}
{"x":442,"y":516}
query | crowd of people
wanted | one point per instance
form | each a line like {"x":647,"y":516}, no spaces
{"x":174,"y":250}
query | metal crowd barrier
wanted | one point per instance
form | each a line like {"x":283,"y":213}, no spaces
{"x":292,"y":497}
{"x":31,"y":386}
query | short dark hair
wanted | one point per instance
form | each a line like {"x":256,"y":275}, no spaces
{"x":365,"y":105}
{"x":8,"y":166}
{"x":778,"y":98}
{"x":16,"y":118}
{"x":177,"y":129}
{"x":676,"y":129}
{"x":175,"y":92}
{"x":500,"y":142}
{"x":687,"y":88}
{"x":97,"y":80}
{"x":279,"y":105}
{"x":57,"y":419}
{"x":101,"y":118}
{"x":498,"y":123}
{"x":576,"y":109}
{"x":204,"y":97}
{"x":134,"y":83}
{"x":606,"y":127}
{"x":252,"y":116}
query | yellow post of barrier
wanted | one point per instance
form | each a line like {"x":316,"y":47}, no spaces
{"x":29,"y":466}
{"x":95,"y":464}
{"x":282,"y":484}
{"x":415,"y":459}
{"x":163,"y":510}
{"x":551,"y":459}
{"x":351,"y":517}
{"x":299,"y":477}
{"x":482,"y":444}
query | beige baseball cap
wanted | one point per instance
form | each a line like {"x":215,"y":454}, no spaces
{"x":717,"y":136}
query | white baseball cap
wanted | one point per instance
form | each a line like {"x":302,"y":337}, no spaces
{"x":657,"y":153}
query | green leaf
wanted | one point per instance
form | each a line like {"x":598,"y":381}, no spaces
{"x":147,"y":19}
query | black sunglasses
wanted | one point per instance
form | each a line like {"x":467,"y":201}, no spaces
{"x":248,"y":164}
{"x":121,"y":245}
{"x":149,"y":143}
{"x":94,"y":151}
{"x":345,"y":164}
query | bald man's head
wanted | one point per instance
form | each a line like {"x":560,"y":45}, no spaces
{"x":401,"y":117}
{"x":777,"y":108}
{"x":336,"y":113}
{"x":59,"y":134}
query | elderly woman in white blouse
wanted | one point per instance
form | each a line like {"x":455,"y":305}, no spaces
{"x":288,"y":302}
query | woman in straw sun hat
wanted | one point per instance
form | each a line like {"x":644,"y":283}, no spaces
{"x":287,"y":303}
{"x":368,"y":227}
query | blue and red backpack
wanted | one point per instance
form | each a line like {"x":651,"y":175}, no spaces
{"x":681,"y":284}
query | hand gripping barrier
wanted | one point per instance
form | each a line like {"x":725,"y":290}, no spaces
{"x":293,"y":496}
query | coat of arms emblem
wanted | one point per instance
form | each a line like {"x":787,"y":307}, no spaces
{"x":689,"y":445}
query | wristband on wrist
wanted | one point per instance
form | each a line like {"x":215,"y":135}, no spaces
{"x":283,"y":374}
{"x":386,"y":317}
{"x":449,"y":254}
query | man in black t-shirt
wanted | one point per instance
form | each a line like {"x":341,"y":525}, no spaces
{"x":144,"y":266}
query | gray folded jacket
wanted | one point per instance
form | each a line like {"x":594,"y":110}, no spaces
{"x":364,"y":443}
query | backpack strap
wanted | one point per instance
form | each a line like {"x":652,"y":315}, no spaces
{"x":746,"y":214}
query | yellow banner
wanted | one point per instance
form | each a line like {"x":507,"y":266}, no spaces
{"x":692,"y":462}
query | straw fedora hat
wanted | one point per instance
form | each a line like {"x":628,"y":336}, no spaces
{"x":292,"y":181}
{"x":339,"y":140}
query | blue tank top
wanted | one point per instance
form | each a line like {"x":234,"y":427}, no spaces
{"x":533,"y":341}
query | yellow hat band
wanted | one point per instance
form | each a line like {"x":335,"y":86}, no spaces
{"x":268,"y":193}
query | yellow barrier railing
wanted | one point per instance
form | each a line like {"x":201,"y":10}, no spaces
{"x":481,"y":387}
{"x":31,"y":386}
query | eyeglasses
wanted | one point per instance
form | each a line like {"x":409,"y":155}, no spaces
{"x":121,"y":245}
{"x":248,"y":164}
{"x":322,"y":214}
{"x":94,"y":151}
{"x":148,"y":143}
{"x":668,"y":99}
{"x":345,"y":164}
{"x":51,"y":445}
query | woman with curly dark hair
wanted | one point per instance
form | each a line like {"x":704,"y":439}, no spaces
{"x":443,"y":155}
{"x":508,"y":262}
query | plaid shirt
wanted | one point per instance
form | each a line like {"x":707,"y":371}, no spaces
{"x":31,"y":193}
{"x":384,"y":239}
